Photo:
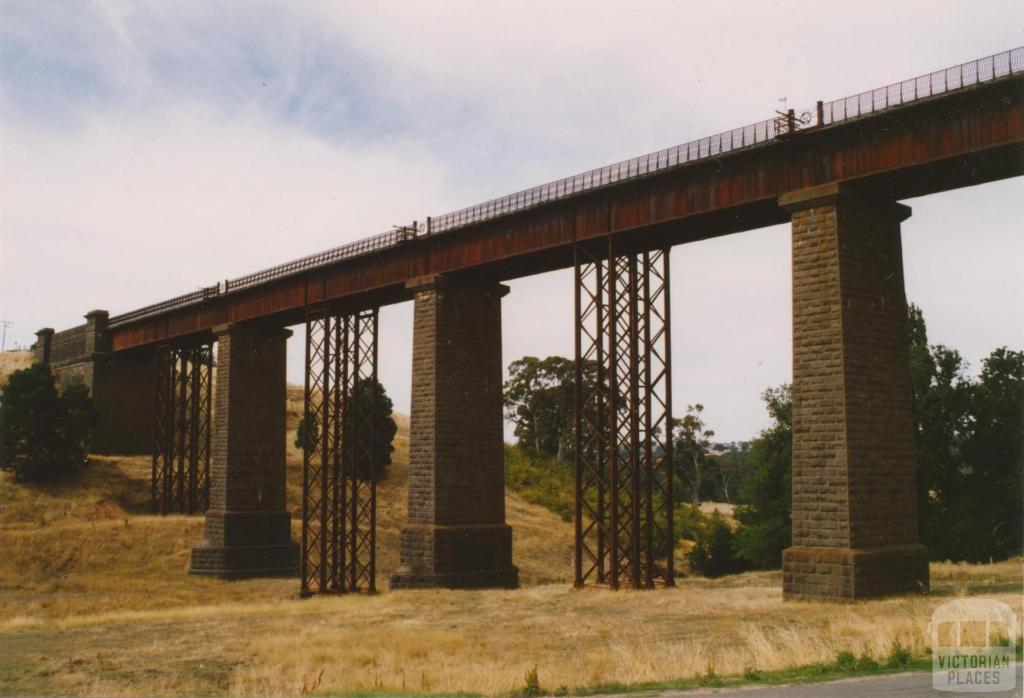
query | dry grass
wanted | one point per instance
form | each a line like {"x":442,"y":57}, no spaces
{"x":724,"y":508}
{"x":11,"y":361}
{"x":89,"y":543}
{"x":964,"y":574}
{"x":445,"y":641}
{"x":95,"y":600}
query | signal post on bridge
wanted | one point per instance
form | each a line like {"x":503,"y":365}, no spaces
{"x":855,"y":527}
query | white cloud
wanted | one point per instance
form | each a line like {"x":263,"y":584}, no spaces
{"x":160,"y":161}
{"x":122,"y":214}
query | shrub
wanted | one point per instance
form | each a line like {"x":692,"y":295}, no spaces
{"x":688,"y":521}
{"x":713,"y":553}
{"x":547,"y":482}
{"x":846,"y":661}
{"x":709,"y":678}
{"x":866,"y":662}
{"x":532,"y":683}
{"x":899,"y":656}
{"x":44,"y":435}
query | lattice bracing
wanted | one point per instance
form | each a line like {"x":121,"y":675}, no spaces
{"x":623,"y":416}
{"x":340,"y":465}
{"x":181,"y":435}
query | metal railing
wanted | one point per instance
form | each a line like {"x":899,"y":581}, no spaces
{"x":373,"y":243}
{"x":176,"y":302}
{"x":700,"y":149}
{"x":940,"y":82}
{"x":892,"y":96}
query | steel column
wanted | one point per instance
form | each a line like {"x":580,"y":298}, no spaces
{"x":340,"y":465}
{"x":623,"y":417}
{"x":181,"y":434}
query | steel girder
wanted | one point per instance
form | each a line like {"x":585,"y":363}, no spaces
{"x":623,"y":417}
{"x":339,"y":503}
{"x":181,"y":435}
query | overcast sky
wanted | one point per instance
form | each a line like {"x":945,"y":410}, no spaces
{"x":147,"y":149}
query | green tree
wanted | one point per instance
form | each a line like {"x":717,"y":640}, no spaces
{"x":713,"y":553}
{"x":367,"y":394}
{"x":766,"y":498}
{"x":711,"y":479}
{"x":306,"y":433}
{"x":689,"y":452}
{"x":941,"y":394}
{"x":732,"y":469}
{"x":44,"y":434}
{"x":81,"y":417}
{"x":994,"y":454}
{"x":973,"y":505}
{"x":967,"y":436}
{"x":540,"y":400}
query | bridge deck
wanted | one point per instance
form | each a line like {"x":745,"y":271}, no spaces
{"x":952,"y":128}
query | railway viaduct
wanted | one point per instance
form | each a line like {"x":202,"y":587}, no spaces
{"x":836,"y":172}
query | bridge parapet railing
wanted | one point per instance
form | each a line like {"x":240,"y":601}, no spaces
{"x":922,"y":87}
{"x":700,"y":149}
{"x":169,"y":304}
{"x":354,"y":249}
{"x":374,"y":243}
{"x":898,"y":94}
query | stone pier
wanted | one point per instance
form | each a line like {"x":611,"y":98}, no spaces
{"x":456,"y":534}
{"x":855,"y":526}
{"x":248,"y":526}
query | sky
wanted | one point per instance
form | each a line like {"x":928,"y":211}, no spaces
{"x":151,"y":148}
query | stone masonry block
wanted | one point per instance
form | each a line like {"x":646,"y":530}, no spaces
{"x":456,"y":534}
{"x":247,"y":525}
{"x":853,"y":451}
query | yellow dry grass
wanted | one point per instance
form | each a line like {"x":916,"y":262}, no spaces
{"x":95,"y":599}
{"x":11,"y":361}
{"x":446,"y":641}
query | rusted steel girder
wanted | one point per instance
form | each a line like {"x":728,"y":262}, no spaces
{"x":339,"y":463}
{"x":180,"y":481}
{"x":949,"y":141}
{"x":623,"y":417}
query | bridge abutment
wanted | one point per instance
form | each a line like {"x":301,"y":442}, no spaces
{"x":456,"y":535}
{"x":855,"y":526}
{"x":248,"y":526}
{"x":121,"y":384}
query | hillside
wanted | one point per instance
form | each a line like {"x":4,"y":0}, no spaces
{"x":95,"y":599}
{"x":70,"y":546}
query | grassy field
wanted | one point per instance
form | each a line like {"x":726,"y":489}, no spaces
{"x":95,"y":599}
